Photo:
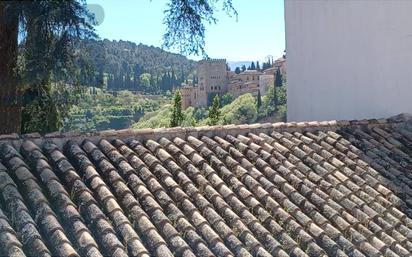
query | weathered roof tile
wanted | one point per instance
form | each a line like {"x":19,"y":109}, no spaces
{"x":334,"y":188}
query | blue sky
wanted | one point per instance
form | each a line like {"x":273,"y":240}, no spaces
{"x":258,"y":31}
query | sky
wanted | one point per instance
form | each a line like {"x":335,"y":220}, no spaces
{"x":258,"y":31}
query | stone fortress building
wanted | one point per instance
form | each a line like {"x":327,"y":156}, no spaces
{"x":215,"y":79}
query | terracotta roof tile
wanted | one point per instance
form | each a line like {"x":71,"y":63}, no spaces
{"x":334,"y":188}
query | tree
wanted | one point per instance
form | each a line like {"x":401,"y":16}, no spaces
{"x":266,"y":65}
{"x":278,"y":84}
{"x":243,"y":68}
{"x":240,"y":111}
{"x":49,"y":52}
{"x":258,"y":100}
{"x":177,"y":115}
{"x":185,"y":23}
{"x":214,"y":111}
{"x":226,"y":99}
{"x":237,"y":70}
{"x":10,"y":111}
{"x":278,"y":80}
{"x":258,"y":66}
{"x":145,"y":80}
{"x":275,"y":102}
{"x":252,"y":66}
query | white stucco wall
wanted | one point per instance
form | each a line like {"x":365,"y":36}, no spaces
{"x":348,"y":59}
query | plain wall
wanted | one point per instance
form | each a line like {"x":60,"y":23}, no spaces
{"x":348,"y":59}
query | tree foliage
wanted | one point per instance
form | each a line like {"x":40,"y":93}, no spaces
{"x":214,"y":111}
{"x":145,"y":80}
{"x":226,"y":99}
{"x":252,"y":66}
{"x":259,"y":101}
{"x":266,"y":65}
{"x":123,"y":62}
{"x":177,"y":115}
{"x":185,"y":23}
{"x":278,"y":79}
{"x":97,"y":110}
{"x":273,"y":100}
{"x":48,"y":54}
{"x":240,"y":111}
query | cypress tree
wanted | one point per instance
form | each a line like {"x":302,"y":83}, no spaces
{"x":177,"y":114}
{"x":278,"y":80}
{"x":252,"y":66}
{"x":259,"y":100}
{"x":275,"y":86}
{"x":214,"y":111}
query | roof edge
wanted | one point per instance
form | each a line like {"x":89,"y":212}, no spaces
{"x":220,"y":130}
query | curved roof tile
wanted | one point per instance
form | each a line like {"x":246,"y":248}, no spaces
{"x":337,"y":188}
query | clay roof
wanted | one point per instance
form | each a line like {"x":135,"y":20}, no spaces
{"x":252,"y":72}
{"x":286,"y":189}
{"x":272,"y":69}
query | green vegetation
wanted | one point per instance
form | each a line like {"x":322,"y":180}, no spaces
{"x":39,"y":48}
{"x":56,"y":74}
{"x":185,"y":23}
{"x":214,"y":111}
{"x":252,"y":66}
{"x":177,"y":115}
{"x":274,"y":107}
{"x":124,"y":65}
{"x":279,"y":80}
{"x":47,"y":42}
{"x":226,"y":99}
{"x":97,"y":110}
{"x":242,"y":110}
{"x":259,"y":100}
{"x":162,"y":118}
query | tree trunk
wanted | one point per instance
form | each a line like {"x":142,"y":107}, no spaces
{"x":10,"y":108}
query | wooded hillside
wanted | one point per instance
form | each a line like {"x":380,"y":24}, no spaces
{"x":125,"y":65}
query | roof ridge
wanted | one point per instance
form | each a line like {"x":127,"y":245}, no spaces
{"x":157,"y":133}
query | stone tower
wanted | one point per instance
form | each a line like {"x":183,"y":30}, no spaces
{"x":212,"y":76}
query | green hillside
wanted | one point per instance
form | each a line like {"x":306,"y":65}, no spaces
{"x":124,"y":65}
